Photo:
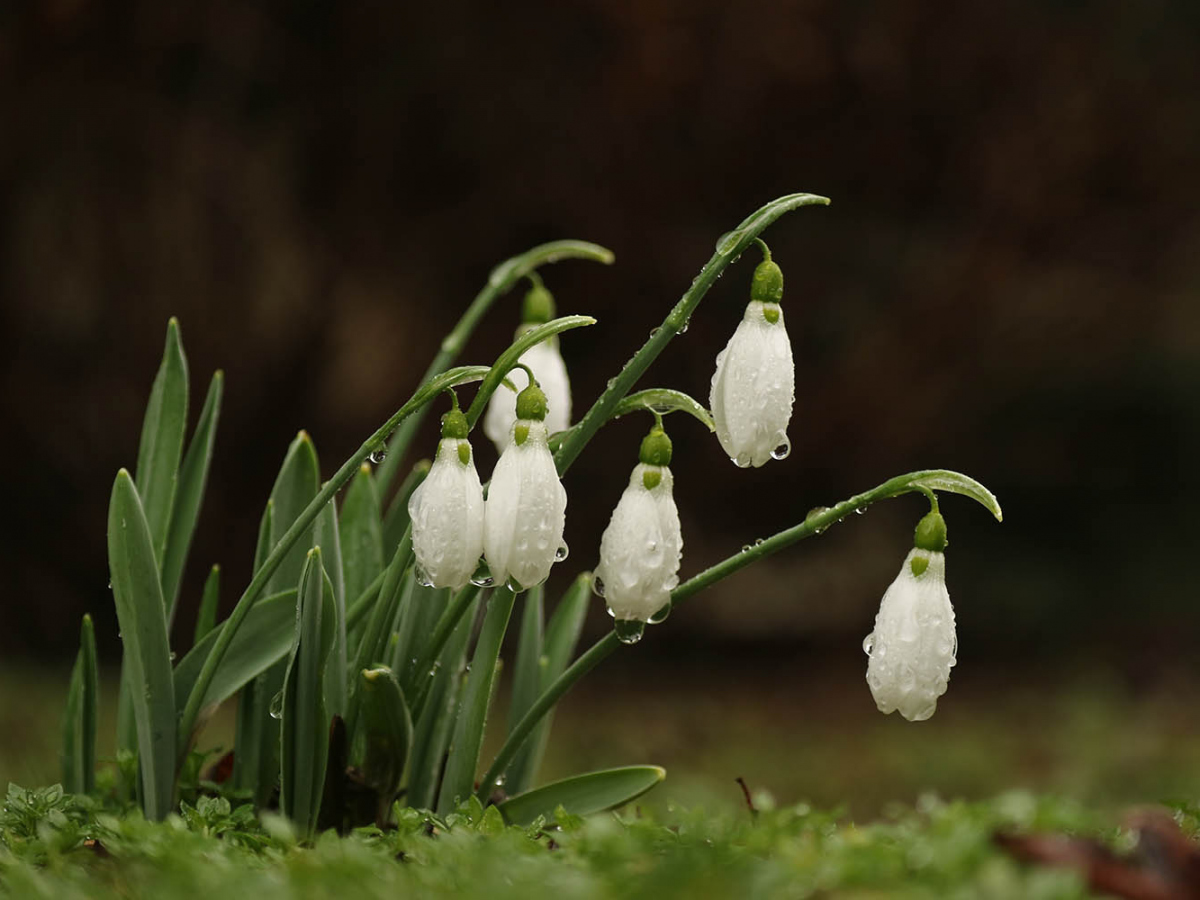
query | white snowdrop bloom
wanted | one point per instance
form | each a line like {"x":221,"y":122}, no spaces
{"x":642,"y":546}
{"x":525,"y":512}
{"x":446,"y":511}
{"x":913,"y":646}
{"x":754,"y":385}
{"x":546,"y":361}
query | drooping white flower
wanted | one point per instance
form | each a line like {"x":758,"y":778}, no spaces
{"x":754,"y":385}
{"x":913,"y":646}
{"x":546,"y":361}
{"x":447,"y":511}
{"x":642,"y":546}
{"x":525,"y":512}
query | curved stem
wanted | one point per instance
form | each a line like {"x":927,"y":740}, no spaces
{"x":729,"y":248}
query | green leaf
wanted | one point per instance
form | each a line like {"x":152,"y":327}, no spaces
{"x":955,"y":483}
{"x":582,"y":795}
{"x":79,"y":720}
{"x":296,"y":485}
{"x":415,"y":622}
{"x":663,"y":401}
{"x":384,"y":736}
{"x":263,"y":640}
{"x":304,"y":745}
{"x":265,"y":526}
{"x":162,"y":440}
{"x":326,"y":536}
{"x":396,"y":520}
{"x":193,"y":476}
{"x":206,"y":616}
{"x":459,"y":781}
{"x":512,"y":270}
{"x":562,"y":637}
{"x":732,"y":243}
{"x":527,"y":670}
{"x":361,"y":533}
{"x":142,"y":618}
{"x":435,"y":721}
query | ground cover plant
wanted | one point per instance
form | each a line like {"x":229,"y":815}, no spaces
{"x":365,"y":651}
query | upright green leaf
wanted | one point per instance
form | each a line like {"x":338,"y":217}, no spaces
{"x":256,"y":694}
{"x":206,"y":616}
{"x":562,"y":636}
{"x":582,"y":795}
{"x":396,"y":520}
{"x":459,"y":781}
{"x":384,"y":736}
{"x":415,"y":621}
{"x":435,"y":722}
{"x":162,"y":440}
{"x":142,"y":617}
{"x":527,"y":670}
{"x":193,"y":476}
{"x":361,"y":533}
{"x":304,"y":745}
{"x":326,"y":536}
{"x":79,"y":720}
{"x":297,"y":483}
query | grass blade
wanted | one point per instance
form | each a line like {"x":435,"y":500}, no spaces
{"x":162,"y":440}
{"x":562,"y":637}
{"x":206,"y":616}
{"x":582,"y":795}
{"x":385,"y":733}
{"x":459,"y":781}
{"x":142,"y":617}
{"x":396,"y":520}
{"x":527,"y":670}
{"x":415,"y":622}
{"x":361,"y":533}
{"x":79,"y":721}
{"x":304,"y":747}
{"x":326,"y":536}
{"x":193,"y":476}
{"x":297,"y":483}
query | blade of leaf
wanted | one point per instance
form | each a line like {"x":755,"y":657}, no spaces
{"x":361,"y":533}
{"x":459,"y":781}
{"x":385,"y":735}
{"x":396,"y":519}
{"x":193,"y":476}
{"x":663,"y":401}
{"x":955,"y":483}
{"x":297,"y":483}
{"x":162,"y":440}
{"x":326,"y":536}
{"x":206,"y":616}
{"x":142,"y":617}
{"x":415,"y":621}
{"x":582,"y":795}
{"x":527,"y":670}
{"x":562,"y":637}
{"x":79,"y":721}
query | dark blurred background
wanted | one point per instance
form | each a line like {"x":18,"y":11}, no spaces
{"x":1005,"y":285}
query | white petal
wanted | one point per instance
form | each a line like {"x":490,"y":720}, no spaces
{"x":551,"y":372}
{"x":641,"y":548}
{"x":525,"y":512}
{"x":753,"y":388}
{"x":913,"y":646}
{"x":446,"y":511}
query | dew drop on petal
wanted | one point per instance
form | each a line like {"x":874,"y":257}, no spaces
{"x":513,"y":585}
{"x":598,"y":590}
{"x":783,"y":450}
{"x":483,"y":575}
{"x":561,"y":553}
{"x":629,"y":631}
{"x":869,"y":643}
{"x":422,"y":577}
{"x":661,"y":616}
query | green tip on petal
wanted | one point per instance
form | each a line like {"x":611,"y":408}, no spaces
{"x":651,"y":478}
{"x":539,"y":306}
{"x":767,"y":286}
{"x":531,"y":403}
{"x":454,"y":424}
{"x":656,"y":448}
{"x":931,"y":533}
{"x":918,"y":565}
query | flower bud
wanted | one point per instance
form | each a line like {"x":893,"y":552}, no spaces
{"x":550,"y":371}
{"x":447,"y":511}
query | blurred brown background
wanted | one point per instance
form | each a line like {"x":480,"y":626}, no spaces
{"x":1005,"y":283}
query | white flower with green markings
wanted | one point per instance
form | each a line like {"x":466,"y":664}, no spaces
{"x":913,"y":646}
{"x":525,"y":512}
{"x":642,"y":546}
{"x":754,"y":385}
{"x":447,"y":511}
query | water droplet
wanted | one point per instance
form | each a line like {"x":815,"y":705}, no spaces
{"x":513,"y":585}
{"x":654,"y":332}
{"x":869,"y":643}
{"x":684,"y":327}
{"x":783,"y":450}
{"x":746,"y":548}
{"x":758,"y":541}
{"x":651,"y":545}
{"x":110,"y":585}
{"x":661,"y":616}
{"x":860,"y":510}
{"x":276,"y":707}
{"x":598,"y":589}
{"x":422,"y":576}
{"x":500,"y":779}
{"x":727,"y":241}
{"x":629,"y":631}
{"x":561,"y":553}
{"x":483,"y":575}
{"x":378,"y":455}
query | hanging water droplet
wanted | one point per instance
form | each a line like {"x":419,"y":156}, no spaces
{"x":110,"y":585}
{"x":661,"y":616}
{"x":869,"y":643}
{"x":276,"y":707}
{"x":684,"y":327}
{"x":513,"y":585}
{"x":746,"y":548}
{"x":629,"y":631}
{"x":598,"y":590}
{"x":422,"y":577}
{"x":500,"y":779}
{"x":483,"y":575}
{"x":561,"y":553}
{"x":783,"y":450}
{"x":860,"y":510}
{"x":758,"y":541}
{"x":654,"y":332}
{"x":379,"y":454}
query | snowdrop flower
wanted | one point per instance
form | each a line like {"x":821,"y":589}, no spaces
{"x":526,"y":506}
{"x":642,"y":545}
{"x":754,"y":385}
{"x":446,"y":510}
{"x":546,"y":362}
{"x":913,"y":646}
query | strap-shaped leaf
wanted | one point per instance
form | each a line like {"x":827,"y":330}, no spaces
{"x":459,"y":780}
{"x":142,"y":618}
{"x":297,"y":483}
{"x":582,"y":795}
{"x":162,"y":439}
{"x":954,"y":483}
{"x":206,"y":616}
{"x":527,"y":669}
{"x":79,"y":720}
{"x":396,"y":520}
{"x":193,"y":476}
{"x":663,"y":401}
{"x":361,"y":528}
{"x":326,"y":536}
{"x":385,"y":736}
